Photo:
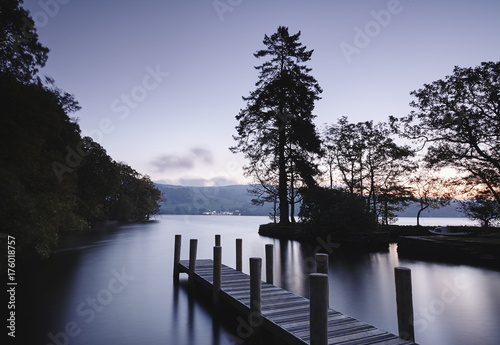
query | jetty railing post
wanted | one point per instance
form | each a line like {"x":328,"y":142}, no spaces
{"x":217,"y":271}
{"x":321,"y":263}
{"x":193,"y":244}
{"x":217,"y":240}
{"x":239,"y":254}
{"x":269,"y":263}
{"x":318,"y":308}
{"x":404,"y":303}
{"x":177,"y":256}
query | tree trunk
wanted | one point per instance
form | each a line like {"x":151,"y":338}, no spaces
{"x":292,"y":197}
{"x":283,"y":180}
{"x":420,"y":211}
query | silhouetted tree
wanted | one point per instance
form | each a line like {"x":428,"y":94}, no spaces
{"x":279,"y":112}
{"x":265,"y":193}
{"x":458,"y":120}
{"x":334,"y":211}
{"x":136,"y":198}
{"x":98,"y":181}
{"x":20,"y":52}
{"x":484,"y":209}
{"x":35,"y":132}
{"x":370,"y":164}
{"x":49,"y":184}
{"x":430,"y":191}
{"x":345,"y":146}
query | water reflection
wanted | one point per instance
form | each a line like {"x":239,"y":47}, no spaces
{"x":453,"y":304}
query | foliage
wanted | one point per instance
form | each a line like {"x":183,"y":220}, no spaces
{"x":370,"y":164}
{"x":265,"y":194}
{"x":20,"y":52}
{"x":335,"y":211}
{"x":275,"y":130}
{"x":484,"y":209}
{"x":52,"y":181}
{"x":111,"y":190}
{"x":136,"y":198}
{"x":458,"y":120}
{"x":98,"y":180}
{"x":34,"y":132}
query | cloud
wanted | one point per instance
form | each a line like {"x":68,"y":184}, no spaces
{"x":178,"y":162}
{"x":202,"y":182}
{"x":203,"y":154}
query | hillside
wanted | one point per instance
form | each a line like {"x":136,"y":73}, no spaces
{"x":197,"y":200}
{"x":447,"y":211}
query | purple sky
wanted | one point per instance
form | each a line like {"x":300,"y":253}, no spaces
{"x":160,"y":82}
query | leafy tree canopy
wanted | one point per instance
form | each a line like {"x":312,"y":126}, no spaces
{"x":458,"y":120}
{"x":21,"y":55}
{"x":52,"y":181}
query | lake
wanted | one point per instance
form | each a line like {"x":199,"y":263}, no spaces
{"x":115,"y":286}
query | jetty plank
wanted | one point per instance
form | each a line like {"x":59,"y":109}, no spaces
{"x":286,"y":314}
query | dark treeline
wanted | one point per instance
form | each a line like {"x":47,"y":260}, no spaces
{"x":53,"y":181}
{"x":369,"y":171}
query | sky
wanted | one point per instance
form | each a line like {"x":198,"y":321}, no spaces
{"x":160,"y":82}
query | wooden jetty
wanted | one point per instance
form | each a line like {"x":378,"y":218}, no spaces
{"x":292,"y":318}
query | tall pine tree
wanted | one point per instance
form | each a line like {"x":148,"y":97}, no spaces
{"x":275,"y":130}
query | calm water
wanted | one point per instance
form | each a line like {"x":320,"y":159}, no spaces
{"x":115,"y":287}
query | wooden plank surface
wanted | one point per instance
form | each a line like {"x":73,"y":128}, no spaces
{"x":286,"y":314}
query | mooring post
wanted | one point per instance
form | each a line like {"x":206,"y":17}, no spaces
{"x":269,"y":263}
{"x":217,"y":272}
{"x":193,"y":244}
{"x":239,"y":254}
{"x":255,"y":285}
{"x":321,"y":263}
{"x":255,"y":317}
{"x":217,"y":240}
{"x":318,"y":283}
{"x":404,"y":303}
{"x":177,"y":256}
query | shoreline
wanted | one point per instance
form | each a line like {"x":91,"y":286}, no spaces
{"x":414,"y":242}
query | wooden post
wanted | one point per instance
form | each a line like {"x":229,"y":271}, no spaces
{"x":321,"y":263}
{"x":255,"y":284}
{"x":217,"y":272}
{"x":404,"y":303}
{"x":269,"y":263}
{"x":217,"y":240}
{"x":239,"y":254}
{"x":255,"y":317}
{"x":193,"y":244}
{"x":177,"y":256}
{"x":318,"y":308}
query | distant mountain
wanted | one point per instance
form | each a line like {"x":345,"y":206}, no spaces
{"x":447,"y":211}
{"x":235,"y":199}
{"x":198,"y":200}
